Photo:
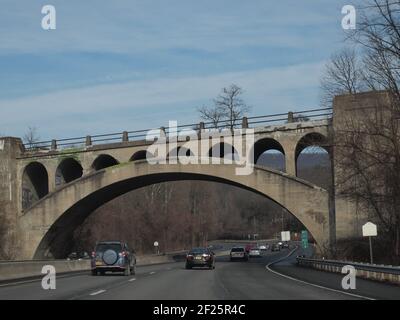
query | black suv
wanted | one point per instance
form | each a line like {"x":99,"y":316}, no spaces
{"x":114,"y":256}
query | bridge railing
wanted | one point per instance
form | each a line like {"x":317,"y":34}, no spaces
{"x":139,"y":135}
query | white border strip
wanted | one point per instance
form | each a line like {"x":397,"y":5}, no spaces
{"x":308,"y":283}
{"x":39,"y":278}
{"x":97,"y":292}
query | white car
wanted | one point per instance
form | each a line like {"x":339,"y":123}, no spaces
{"x":255,"y":253}
{"x":238,"y":253}
{"x":263,"y":247}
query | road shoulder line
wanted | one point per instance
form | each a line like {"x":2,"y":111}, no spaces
{"x":97,"y":292}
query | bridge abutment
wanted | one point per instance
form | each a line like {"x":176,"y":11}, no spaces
{"x":10,"y":149}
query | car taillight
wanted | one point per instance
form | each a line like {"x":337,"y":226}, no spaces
{"x":189,"y":257}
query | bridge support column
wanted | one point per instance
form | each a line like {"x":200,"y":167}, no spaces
{"x":51,"y":173}
{"x":290,"y":161}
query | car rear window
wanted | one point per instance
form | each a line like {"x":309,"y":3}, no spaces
{"x":198,"y":251}
{"x":102,"y":247}
{"x":237,"y":249}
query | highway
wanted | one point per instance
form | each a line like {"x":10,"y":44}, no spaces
{"x":229,"y":281}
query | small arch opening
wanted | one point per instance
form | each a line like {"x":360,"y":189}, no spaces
{"x":104,"y":161}
{"x":68,"y":170}
{"x":35,"y":184}
{"x":180,"y":151}
{"x":223,"y":150}
{"x":141,"y":155}
{"x":269,"y":153}
{"x":313,"y":160}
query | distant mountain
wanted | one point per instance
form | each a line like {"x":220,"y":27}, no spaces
{"x":313,"y":167}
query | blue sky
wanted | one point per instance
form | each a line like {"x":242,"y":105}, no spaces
{"x":125,"y":65}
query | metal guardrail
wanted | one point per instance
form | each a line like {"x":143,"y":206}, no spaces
{"x":364,"y":270}
{"x":357,"y":265}
{"x":139,"y":135}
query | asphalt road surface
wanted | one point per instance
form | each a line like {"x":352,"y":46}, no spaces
{"x":230,"y":280}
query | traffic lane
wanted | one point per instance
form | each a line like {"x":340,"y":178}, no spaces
{"x":174,"y":284}
{"x":75,"y":286}
{"x":364,"y":287}
{"x":251,"y":280}
{"x":178,"y":284}
{"x":230,"y":280}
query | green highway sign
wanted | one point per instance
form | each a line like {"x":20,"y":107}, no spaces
{"x":304,"y":239}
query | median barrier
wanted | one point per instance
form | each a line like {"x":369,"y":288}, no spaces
{"x":14,"y":270}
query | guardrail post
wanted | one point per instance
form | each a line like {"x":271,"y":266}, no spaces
{"x":290,"y":117}
{"x":88,"y":141}
{"x":53,"y":144}
{"x":125,"y":136}
{"x":245,"y":123}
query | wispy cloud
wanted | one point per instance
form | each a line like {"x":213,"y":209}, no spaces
{"x":114,"y":65}
{"x":131,"y":26}
{"x":149,"y":103}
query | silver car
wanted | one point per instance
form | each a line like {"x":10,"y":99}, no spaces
{"x":255,"y":253}
{"x":238,"y":253}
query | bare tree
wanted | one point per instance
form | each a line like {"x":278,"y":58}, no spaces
{"x":342,"y":76}
{"x":367,"y":147}
{"x":231,"y":104}
{"x":212,"y":114}
{"x":228,"y":108}
{"x":378,"y":33}
{"x":368,"y":155}
{"x":31,"y":136}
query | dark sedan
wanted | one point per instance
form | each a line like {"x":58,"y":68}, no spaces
{"x":200,"y":257}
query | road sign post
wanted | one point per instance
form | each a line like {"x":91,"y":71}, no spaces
{"x":156,"y":247}
{"x":370,"y":230}
{"x":371,"y":254}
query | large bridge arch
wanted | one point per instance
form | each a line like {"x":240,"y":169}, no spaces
{"x":47,"y":226}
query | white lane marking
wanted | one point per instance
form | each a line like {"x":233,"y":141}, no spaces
{"x":308,"y":283}
{"x":133,"y":279}
{"x":97,"y":292}
{"x":152,"y":272}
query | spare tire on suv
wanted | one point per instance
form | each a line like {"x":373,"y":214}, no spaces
{"x":110,"y":257}
{"x":114,"y":256}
